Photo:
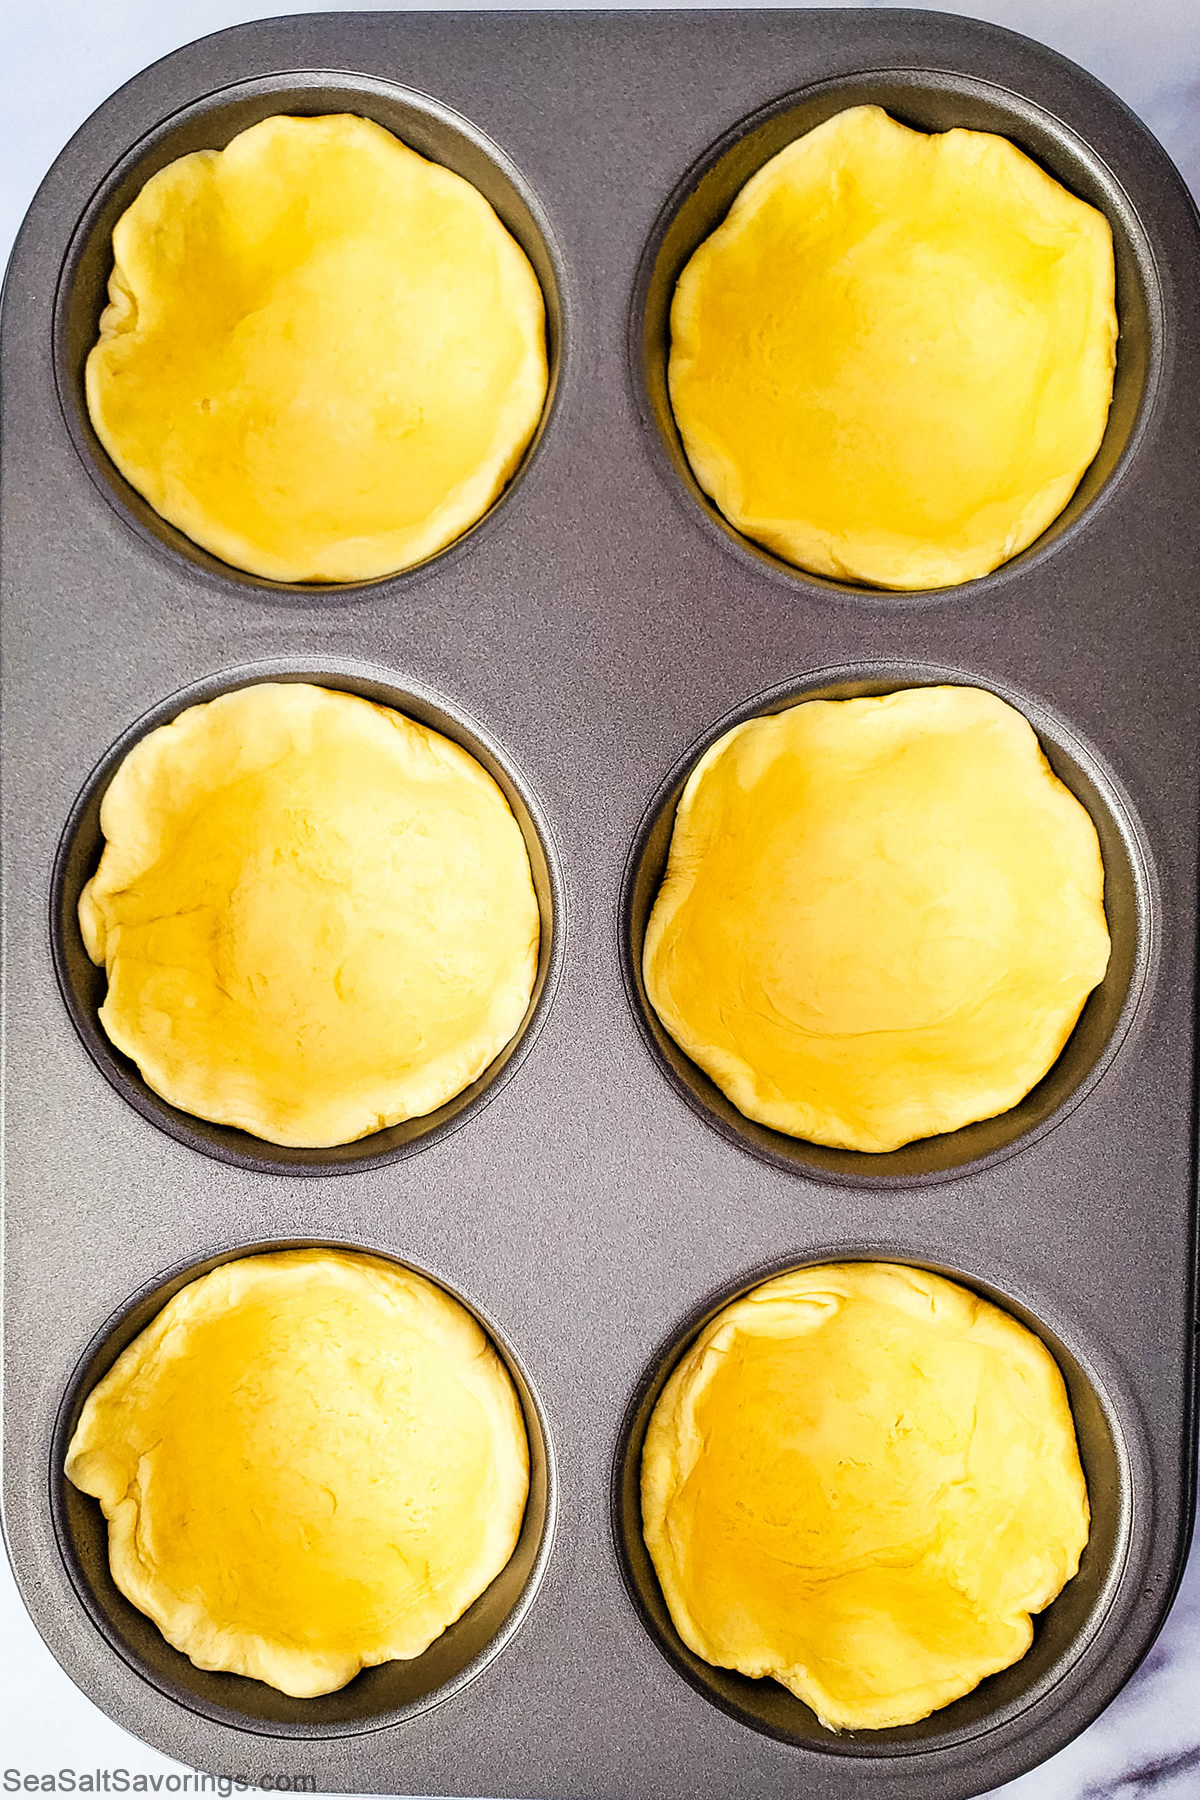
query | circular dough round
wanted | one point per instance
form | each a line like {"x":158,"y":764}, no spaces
{"x":323,"y":356}
{"x":311,"y":1462}
{"x":880,"y":918}
{"x":893,"y":361}
{"x":862,"y":1479}
{"x":317,"y":916}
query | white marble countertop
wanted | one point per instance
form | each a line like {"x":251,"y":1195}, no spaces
{"x":61,"y":59}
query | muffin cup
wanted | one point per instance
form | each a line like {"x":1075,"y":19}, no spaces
{"x":84,"y":983}
{"x":1110,"y":1453}
{"x":435,"y":131}
{"x":381,"y":1696}
{"x":930,"y":101}
{"x":1102,"y":1026}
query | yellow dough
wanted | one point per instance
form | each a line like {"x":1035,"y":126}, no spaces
{"x":323,"y":356}
{"x":862,"y":1480}
{"x":880,"y":918}
{"x":311,"y":1462}
{"x":894,"y":360}
{"x":317,"y":917}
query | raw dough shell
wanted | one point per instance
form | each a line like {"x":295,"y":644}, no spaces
{"x":323,"y":356}
{"x":311,"y":1462}
{"x":861,"y":1480}
{"x":880,"y":918}
{"x":893,"y":362}
{"x":317,"y":916}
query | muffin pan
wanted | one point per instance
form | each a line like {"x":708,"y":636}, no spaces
{"x":586,"y":640}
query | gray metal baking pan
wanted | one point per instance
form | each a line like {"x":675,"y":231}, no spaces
{"x":593,"y":1202}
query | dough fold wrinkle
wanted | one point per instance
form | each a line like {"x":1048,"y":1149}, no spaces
{"x":323,"y":356}
{"x":862,"y":1480}
{"x":317,"y":916}
{"x":880,"y":918}
{"x":311,"y":1462}
{"x":893,"y":362}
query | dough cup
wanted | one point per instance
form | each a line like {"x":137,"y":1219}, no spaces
{"x":83,"y":984}
{"x":382,"y":1696}
{"x":1112,"y":1464}
{"x":1102,"y":1025}
{"x":433,"y":130}
{"x":929,"y":101}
